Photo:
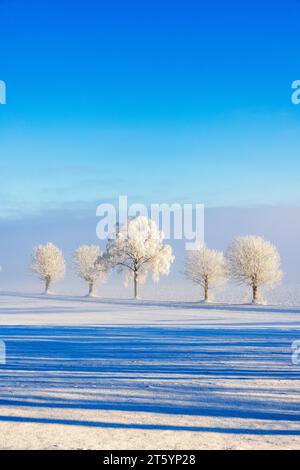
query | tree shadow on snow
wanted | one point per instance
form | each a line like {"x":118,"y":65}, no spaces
{"x":179,"y":371}
{"x":151,"y":427}
{"x":167,"y":304}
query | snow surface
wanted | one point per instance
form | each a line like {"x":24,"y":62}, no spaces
{"x":118,"y":374}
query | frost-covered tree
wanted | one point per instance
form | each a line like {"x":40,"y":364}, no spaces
{"x":255,"y":262}
{"x":48,"y":264}
{"x":90,"y":265}
{"x":206,"y":268}
{"x":138,"y":248}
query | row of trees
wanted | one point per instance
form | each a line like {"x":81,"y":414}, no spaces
{"x":138,"y":248}
{"x":249,"y":260}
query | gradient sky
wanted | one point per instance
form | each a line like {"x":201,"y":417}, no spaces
{"x":164,"y":101}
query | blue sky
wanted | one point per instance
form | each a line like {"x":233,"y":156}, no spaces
{"x":162,"y":101}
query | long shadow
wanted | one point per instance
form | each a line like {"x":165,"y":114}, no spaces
{"x":168,"y":304}
{"x":154,"y":427}
{"x":166,"y":359}
{"x":230,"y":410}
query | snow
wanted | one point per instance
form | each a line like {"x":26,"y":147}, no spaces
{"x":90,"y":373}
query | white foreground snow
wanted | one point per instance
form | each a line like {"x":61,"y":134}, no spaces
{"x":107,"y":374}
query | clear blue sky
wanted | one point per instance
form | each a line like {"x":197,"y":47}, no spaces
{"x":164,"y":101}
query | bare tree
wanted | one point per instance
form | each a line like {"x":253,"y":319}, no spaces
{"x":206,"y":268}
{"x":138,"y":248}
{"x":48,"y":264}
{"x":255,"y":262}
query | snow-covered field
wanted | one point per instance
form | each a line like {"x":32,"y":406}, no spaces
{"x":116,"y":374}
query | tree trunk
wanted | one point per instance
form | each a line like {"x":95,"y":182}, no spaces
{"x":91,"y":289}
{"x":135,"y":285}
{"x":254,"y":294}
{"x":47,"y":281}
{"x":205,"y":290}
